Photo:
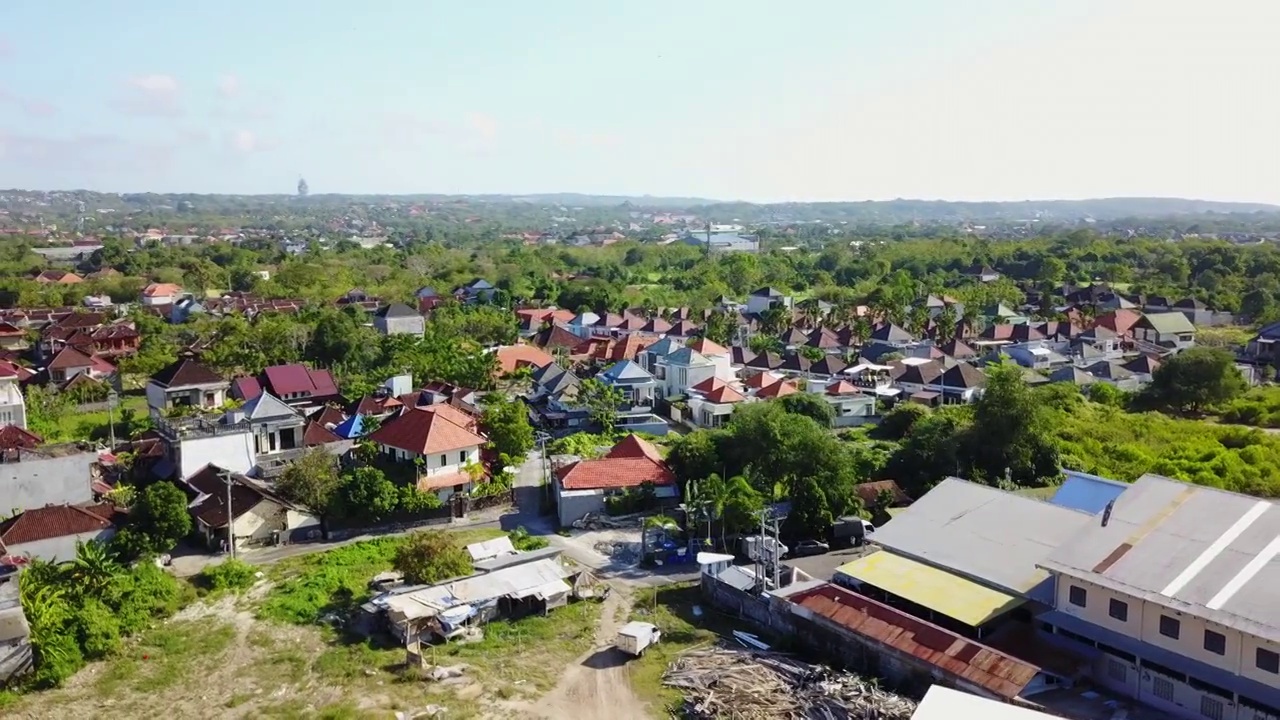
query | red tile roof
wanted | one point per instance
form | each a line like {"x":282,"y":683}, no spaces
{"x":317,"y":434}
{"x":13,"y":437}
{"x":630,"y":463}
{"x":161,"y":290}
{"x":842,"y":387}
{"x":50,"y":521}
{"x":1119,"y":321}
{"x":724,"y":395}
{"x":869,"y":491}
{"x":950,"y":653}
{"x":762,"y":380}
{"x":69,"y":358}
{"x":283,"y":380}
{"x":331,"y":415}
{"x":425,"y":431}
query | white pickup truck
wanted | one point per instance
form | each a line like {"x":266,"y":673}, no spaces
{"x":635,"y":637}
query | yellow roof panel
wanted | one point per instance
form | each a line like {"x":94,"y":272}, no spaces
{"x":938,"y":590}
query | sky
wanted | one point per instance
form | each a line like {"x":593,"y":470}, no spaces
{"x":727,"y":99}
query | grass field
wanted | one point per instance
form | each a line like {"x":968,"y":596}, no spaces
{"x":672,"y":610}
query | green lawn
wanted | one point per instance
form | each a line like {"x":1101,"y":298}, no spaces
{"x":75,"y":425}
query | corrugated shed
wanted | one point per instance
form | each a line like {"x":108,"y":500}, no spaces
{"x":959,"y":657}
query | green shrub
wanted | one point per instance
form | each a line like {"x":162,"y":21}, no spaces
{"x":523,"y":541}
{"x":99,"y":629}
{"x":307,"y":587}
{"x":431,"y":556}
{"x":232,"y":575}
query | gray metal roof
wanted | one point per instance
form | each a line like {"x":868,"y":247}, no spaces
{"x":1199,"y":550}
{"x":988,"y":535}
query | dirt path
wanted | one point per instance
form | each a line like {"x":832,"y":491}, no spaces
{"x":596,"y":685}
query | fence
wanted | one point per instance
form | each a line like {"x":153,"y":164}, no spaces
{"x":342,"y":529}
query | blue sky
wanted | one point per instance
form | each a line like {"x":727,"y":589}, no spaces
{"x":764,"y":101}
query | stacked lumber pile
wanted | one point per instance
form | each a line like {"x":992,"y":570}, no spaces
{"x":741,"y":684}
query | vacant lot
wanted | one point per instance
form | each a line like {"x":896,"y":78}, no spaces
{"x":263,"y":654}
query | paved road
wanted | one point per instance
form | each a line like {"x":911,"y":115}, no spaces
{"x":528,"y":491}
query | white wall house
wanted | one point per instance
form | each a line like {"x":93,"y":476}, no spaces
{"x":439,"y":441}
{"x":185,"y":383}
{"x":51,"y":532}
{"x":683,"y":369}
{"x":13,"y":407}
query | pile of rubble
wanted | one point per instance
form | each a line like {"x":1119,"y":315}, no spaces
{"x":730,"y":682}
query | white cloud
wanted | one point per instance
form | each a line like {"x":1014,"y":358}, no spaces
{"x":244,"y":141}
{"x":484,"y":126}
{"x":158,"y":84}
{"x":229,"y":86}
{"x":155,"y":95}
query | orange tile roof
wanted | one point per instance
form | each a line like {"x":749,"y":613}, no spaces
{"x":50,"y":521}
{"x":511,"y":357}
{"x":426,"y":431}
{"x":161,"y":290}
{"x":706,"y":347}
{"x":613,"y":473}
{"x":777,"y":390}
{"x":437,"y":482}
{"x":633,"y":446}
{"x":725,"y":394}
{"x":842,"y":387}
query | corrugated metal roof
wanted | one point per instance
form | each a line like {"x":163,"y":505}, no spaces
{"x":1200,"y":550}
{"x":985,"y":534}
{"x":961,"y":658}
{"x":938,"y":590}
{"x":516,"y":581}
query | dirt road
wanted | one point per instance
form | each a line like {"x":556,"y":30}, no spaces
{"x":596,"y":685}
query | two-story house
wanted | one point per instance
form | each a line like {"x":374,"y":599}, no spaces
{"x":767,"y":298}
{"x":70,"y":363}
{"x":687,"y":367}
{"x":1172,"y":591}
{"x":13,"y":406}
{"x":476,"y":291}
{"x":638,"y":387}
{"x":399,"y":319}
{"x":295,"y":384}
{"x":185,"y":383}
{"x":439,"y":442}
{"x":276,"y":426}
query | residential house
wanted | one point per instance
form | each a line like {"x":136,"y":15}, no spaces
{"x":160,"y":294}
{"x":428,"y":299}
{"x":852,"y":406}
{"x":58,"y":277}
{"x":1262,"y":347}
{"x":1197,"y":312}
{"x":1072,"y":374}
{"x":1035,"y":355}
{"x":1142,"y":367}
{"x":767,"y":298}
{"x":70,"y":363}
{"x":1103,"y":343}
{"x":514,"y":357}
{"x":13,"y":406}
{"x":582,"y":486}
{"x":982,"y":273}
{"x":439,"y":442}
{"x":476,"y":291}
{"x":258,"y":516}
{"x":51,"y":532}
{"x":556,"y":337}
{"x":638,"y":387}
{"x":1113,"y":373}
{"x":295,"y":384}
{"x":1120,"y":321}
{"x":276,"y":426}
{"x":184,"y":308}
{"x":186,"y":383}
{"x":555,"y":397}
{"x":583,"y":324}
{"x":722,"y":241}
{"x":399,"y":319}
{"x":1171,"y":330}
{"x":652,"y":356}
{"x":1170,"y":591}
{"x":892,"y":335}
{"x":12,"y":337}
{"x":687,"y":367}
{"x":712,"y":401}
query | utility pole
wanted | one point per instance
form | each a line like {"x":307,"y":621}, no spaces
{"x":776,"y":560}
{"x":231,"y":536}
{"x":112,"y":398}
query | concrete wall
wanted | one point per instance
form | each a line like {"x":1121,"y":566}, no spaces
{"x":232,"y":451}
{"x":572,"y":507}
{"x":36,"y":482}
{"x":59,"y":548}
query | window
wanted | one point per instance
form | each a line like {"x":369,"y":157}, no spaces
{"x":1170,"y":627}
{"x":1268,"y":660}
{"x":1215,"y":643}
{"x":462,"y":457}
{"x":444,"y":460}
{"x":1117,"y":671}
{"x":1211,"y":707}
{"x":1162,"y":688}
{"x":1119,"y":610}
{"x":1076,"y":595}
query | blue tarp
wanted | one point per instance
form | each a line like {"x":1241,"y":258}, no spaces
{"x":351,"y":428}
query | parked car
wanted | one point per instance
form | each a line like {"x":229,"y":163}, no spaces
{"x":804,"y":548}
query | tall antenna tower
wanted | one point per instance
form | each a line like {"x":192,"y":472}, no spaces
{"x":302,"y":187}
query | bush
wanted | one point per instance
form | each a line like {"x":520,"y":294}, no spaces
{"x":524,"y":542}
{"x":898,"y":422}
{"x":232,"y":574}
{"x":310,"y":586}
{"x":99,"y":629}
{"x":430,"y":557}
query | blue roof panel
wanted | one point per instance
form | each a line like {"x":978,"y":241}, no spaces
{"x":1088,"y":493}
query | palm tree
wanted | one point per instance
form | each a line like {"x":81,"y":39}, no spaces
{"x":774,"y":320}
{"x":946,"y":324}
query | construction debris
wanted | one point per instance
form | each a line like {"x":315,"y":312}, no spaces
{"x":732,"y":682}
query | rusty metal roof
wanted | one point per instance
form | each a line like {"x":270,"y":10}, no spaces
{"x":965,"y":659}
